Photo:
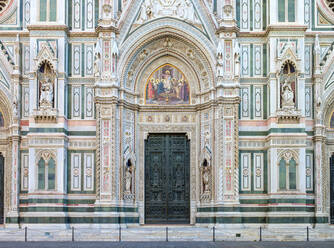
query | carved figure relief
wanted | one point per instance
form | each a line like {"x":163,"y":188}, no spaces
{"x":182,"y":9}
{"x":167,"y":86}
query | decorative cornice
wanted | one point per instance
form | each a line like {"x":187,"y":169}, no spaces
{"x":226,"y":29}
{"x":47,"y":27}
{"x":285,"y":27}
{"x":107,"y":29}
{"x":75,"y":34}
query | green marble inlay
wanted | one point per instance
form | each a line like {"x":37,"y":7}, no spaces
{"x":255,"y":209}
{"x":238,"y":12}
{"x":265,"y":100}
{"x":79,"y":209}
{"x":53,"y":10}
{"x":277,"y":200}
{"x":74,"y":220}
{"x":291,"y":10}
{"x":269,"y":220}
{"x":281,"y":10}
{"x":42,"y":10}
{"x":62,"y":201}
{"x":272,"y":130}
{"x":264,"y":14}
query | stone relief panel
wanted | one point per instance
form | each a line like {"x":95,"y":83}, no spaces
{"x":181,"y":9}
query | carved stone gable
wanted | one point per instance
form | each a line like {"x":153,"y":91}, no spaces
{"x":46,"y":54}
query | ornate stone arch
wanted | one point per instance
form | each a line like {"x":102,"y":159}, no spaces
{"x":287,"y":155}
{"x":133,"y":47}
{"x":6,"y":106}
{"x":46,"y":154}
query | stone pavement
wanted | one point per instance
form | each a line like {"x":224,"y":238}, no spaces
{"x":227,"y":244}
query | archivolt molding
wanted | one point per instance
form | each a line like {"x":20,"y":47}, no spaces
{"x":5,"y":106}
{"x":174,"y":51}
{"x":323,"y":7}
{"x":129,"y":50}
{"x":7,"y":9}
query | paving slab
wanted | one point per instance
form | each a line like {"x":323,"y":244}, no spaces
{"x":228,"y":244}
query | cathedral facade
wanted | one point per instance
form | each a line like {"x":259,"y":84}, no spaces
{"x":166,"y":111}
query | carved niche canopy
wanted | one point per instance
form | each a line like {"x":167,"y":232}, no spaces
{"x":167,"y":85}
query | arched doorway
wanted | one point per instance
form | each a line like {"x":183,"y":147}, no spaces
{"x":2,"y":170}
{"x":2,"y":188}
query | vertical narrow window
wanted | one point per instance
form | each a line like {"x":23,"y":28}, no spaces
{"x":51,"y":174}
{"x":41,"y":174}
{"x":282,"y":174}
{"x":281,"y":10}
{"x":292,"y":174}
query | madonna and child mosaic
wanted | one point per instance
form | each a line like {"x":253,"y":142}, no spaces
{"x":167,"y":86}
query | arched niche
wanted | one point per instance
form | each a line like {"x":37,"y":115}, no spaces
{"x":46,"y":84}
{"x":288,"y":85}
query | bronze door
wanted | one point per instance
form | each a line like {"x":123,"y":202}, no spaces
{"x":167,"y":181}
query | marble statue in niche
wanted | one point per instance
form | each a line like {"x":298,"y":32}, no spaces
{"x":128,"y":178}
{"x":205,"y":170}
{"x":46,"y":84}
{"x":97,"y":60}
{"x":288,"y":87}
{"x":237,"y":59}
{"x":167,"y":86}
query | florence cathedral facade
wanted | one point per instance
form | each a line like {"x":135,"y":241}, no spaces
{"x":166,"y":112}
